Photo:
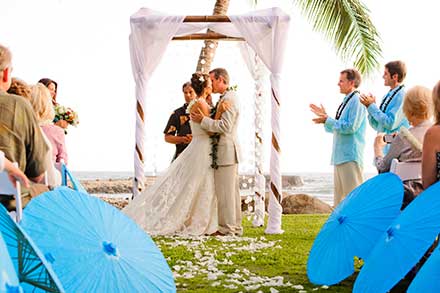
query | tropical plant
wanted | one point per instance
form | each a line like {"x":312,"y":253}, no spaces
{"x":208,"y":50}
{"x":345,"y":23}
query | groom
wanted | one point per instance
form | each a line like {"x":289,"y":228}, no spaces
{"x":226,"y":175}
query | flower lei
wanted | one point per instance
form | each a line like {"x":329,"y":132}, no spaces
{"x":215,"y":138}
{"x":190,"y":105}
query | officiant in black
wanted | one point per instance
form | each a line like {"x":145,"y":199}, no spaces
{"x":178,"y":130}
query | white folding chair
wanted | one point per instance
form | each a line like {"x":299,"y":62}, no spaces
{"x":406,"y":170}
{"x":7,"y":188}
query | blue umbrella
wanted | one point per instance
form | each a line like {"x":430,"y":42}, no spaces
{"x":403,"y":244}
{"x":8,"y":276}
{"x":34,"y":272}
{"x":428,"y":278}
{"x":66,"y":174}
{"x":353,"y":228}
{"x":93,"y":247}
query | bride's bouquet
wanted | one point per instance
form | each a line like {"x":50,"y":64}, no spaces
{"x":67,"y":114}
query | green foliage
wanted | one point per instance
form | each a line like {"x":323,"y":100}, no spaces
{"x":282,"y":255}
{"x":346,"y":23}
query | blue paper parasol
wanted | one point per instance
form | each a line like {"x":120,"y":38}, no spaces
{"x":353,"y":228}
{"x":403,"y":244}
{"x":427,"y":279}
{"x":66,"y":174}
{"x":33,"y":271}
{"x":94,"y":247}
{"x":8,"y":276}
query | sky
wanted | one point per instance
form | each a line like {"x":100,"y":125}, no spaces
{"x":83,"y":45}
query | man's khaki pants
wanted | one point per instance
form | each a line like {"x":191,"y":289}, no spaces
{"x":347,"y":176}
{"x":228,"y":199}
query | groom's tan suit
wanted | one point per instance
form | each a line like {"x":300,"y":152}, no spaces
{"x":226,"y":176}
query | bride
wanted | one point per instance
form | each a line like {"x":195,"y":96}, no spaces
{"x":183,"y":200}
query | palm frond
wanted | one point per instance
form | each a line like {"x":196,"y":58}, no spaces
{"x":346,"y":23}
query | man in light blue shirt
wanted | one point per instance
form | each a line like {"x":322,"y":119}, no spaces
{"x":388,"y":117}
{"x":348,"y":128}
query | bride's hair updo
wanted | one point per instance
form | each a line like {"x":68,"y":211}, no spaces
{"x":199,"y":81}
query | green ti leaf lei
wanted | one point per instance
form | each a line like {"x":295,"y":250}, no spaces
{"x":215,"y":138}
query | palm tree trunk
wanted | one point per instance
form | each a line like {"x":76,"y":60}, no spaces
{"x":208,"y":50}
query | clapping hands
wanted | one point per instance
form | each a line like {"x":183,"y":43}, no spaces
{"x":320,"y":112}
{"x":367,"y":99}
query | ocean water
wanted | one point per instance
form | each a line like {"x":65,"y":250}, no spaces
{"x":319,"y":185}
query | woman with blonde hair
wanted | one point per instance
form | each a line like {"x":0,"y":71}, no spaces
{"x":42,"y":103}
{"x":406,"y":145}
{"x":431,"y":147}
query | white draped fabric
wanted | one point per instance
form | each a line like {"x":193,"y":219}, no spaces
{"x":150,"y":34}
{"x":264,"y":30}
{"x":256,"y":69}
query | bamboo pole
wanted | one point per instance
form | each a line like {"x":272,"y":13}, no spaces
{"x":207,"y":36}
{"x":206,"y":18}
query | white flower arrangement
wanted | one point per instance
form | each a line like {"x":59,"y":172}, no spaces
{"x":190,"y":105}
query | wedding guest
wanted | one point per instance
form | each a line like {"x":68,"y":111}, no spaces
{"x":52,"y":86}
{"x":178,"y":130}
{"x":388,"y":117}
{"x":348,"y":129}
{"x":417,"y":107}
{"x":20,"y":88}
{"x":54,"y":135}
{"x":53,"y":89}
{"x":431,"y":146}
{"x":21,"y":140}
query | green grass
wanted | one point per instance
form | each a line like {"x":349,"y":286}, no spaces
{"x":224,"y":264}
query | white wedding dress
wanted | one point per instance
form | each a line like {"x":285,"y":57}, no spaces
{"x":182,"y":201}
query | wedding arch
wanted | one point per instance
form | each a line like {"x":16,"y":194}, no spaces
{"x":264,"y":31}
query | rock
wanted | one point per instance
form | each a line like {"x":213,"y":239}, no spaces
{"x":112,"y":186}
{"x":118,"y":203}
{"x":304,"y":204}
{"x":287,"y":182}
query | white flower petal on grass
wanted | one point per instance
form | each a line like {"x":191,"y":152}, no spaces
{"x":302,"y":291}
{"x":231,"y":286}
{"x":212,"y":276}
{"x":188,"y":275}
{"x":252,"y":287}
{"x":298,"y":287}
{"x":215,"y":284}
{"x":235,"y":276}
{"x":273,"y":290}
{"x":176,"y":275}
